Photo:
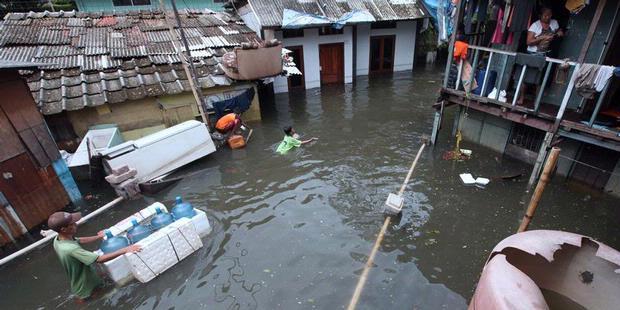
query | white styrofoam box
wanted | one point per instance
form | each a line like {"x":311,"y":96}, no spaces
{"x":118,"y":269}
{"x":156,"y":256}
{"x":124,"y":225}
{"x":482,"y":181}
{"x":184,"y":238}
{"x":467,"y":178}
{"x":201,"y":222}
{"x":394,"y":204}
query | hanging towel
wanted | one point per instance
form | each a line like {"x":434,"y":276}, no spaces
{"x":466,"y":76}
{"x":585,"y":81}
{"x":499,"y":34}
{"x":604,"y":73}
{"x":460,"y":50}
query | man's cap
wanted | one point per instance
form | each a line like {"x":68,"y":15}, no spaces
{"x":59,"y":220}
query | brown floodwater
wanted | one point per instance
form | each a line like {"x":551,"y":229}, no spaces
{"x":294,"y":231}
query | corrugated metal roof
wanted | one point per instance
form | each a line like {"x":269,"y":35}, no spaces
{"x":88,"y":59}
{"x":269,"y":12}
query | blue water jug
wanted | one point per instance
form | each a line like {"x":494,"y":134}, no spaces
{"x":161,"y":219}
{"x":112,"y":244}
{"x":183,"y":209}
{"x":137,"y":232}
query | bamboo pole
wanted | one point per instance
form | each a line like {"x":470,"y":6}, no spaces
{"x":386,"y":223}
{"x":53,"y":234}
{"x":540,"y":187}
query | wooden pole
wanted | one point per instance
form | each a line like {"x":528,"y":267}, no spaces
{"x":371,"y":258}
{"x":540,"y":187}
{"x":186,"y":59}
{"x":360,"y":284}
{"x":591,"y":30}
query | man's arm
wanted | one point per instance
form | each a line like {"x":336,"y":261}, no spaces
{"x":110,"y":256}
{"x":84,"y":240}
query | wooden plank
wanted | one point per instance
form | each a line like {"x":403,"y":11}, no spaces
{"x":46,"y":141}
{"x":591,"y":30}
{"x":11,"y":146}
{"x":35,"y":149}
{"x":33,"y":193}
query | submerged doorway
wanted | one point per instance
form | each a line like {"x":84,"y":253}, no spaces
{"x":297,"y":81}
{"x":331,"y":57}
{"x":382,"y":54}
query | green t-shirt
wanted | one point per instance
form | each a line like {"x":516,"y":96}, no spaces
{"x":78,"y":264}
{"x":287,"y":144}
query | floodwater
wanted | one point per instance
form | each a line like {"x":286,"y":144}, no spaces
{"x":294,"y":231}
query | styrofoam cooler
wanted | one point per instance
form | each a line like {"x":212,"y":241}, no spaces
{"x":157,"y":256}
{"x":161,"y":250}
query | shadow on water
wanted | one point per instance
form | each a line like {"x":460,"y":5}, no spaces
{"x":294,"y":231}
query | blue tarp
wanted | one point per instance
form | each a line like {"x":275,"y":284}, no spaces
{"x":294,"y":20}
{"x":441,"y":14}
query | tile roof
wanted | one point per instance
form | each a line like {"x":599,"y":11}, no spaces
{"x":269,"y":12}
{"x":88,"y":59}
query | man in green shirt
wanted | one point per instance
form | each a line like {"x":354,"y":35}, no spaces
{"x":78,"y":262}
{"x":290,"y":141}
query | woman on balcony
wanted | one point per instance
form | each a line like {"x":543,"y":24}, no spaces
{"x":542,"y":32}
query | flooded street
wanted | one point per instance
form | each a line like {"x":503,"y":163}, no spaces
{"x":294,"y":231}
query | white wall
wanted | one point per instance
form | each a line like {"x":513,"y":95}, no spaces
{"x":310,"y":42}
{"x":405,"y":33}
{"x":250,"y":19}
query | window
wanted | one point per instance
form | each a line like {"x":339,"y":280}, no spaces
{"x":130,"y":2}
{"x":292,"y":33}
{"x":325,"y":31}
{"x":383,"y":25}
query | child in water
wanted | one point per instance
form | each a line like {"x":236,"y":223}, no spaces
{"x":291,"y":141}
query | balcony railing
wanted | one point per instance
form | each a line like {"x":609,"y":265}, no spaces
{"x":480,"y":53}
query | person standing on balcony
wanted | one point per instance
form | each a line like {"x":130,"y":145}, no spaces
{"x":542,"y":32}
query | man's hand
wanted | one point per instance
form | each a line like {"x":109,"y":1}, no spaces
{"x":100,"y":234}
{"x":560,"y":33}
{"x":134,"y":248}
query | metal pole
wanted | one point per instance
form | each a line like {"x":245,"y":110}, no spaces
{"x":540,"y":187}
{"x":542,"y":87}
{"x":599,"y":102}
{"x":53,"y":235}
{"x":519,"y":84}
{"x":186,"y":59}
{"x":501,"y":76}
{"x":486,"y":74}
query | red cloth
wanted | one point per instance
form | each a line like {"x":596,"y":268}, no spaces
{"x":460,"y":50}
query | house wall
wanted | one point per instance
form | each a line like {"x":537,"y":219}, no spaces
{"x":310,"y":42}
{"x":138,"y":118}
{"x":486,"y":130}
{"x":405,"y":33}
{"x":107,"y":5}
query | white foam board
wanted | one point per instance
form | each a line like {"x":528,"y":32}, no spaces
{"x":467,"y":178}
{"x":183,"y":236}
{"x":482,"y":181}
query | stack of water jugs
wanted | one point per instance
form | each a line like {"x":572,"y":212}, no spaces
{"x":165,"y":238}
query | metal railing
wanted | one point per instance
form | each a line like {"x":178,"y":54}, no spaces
{"x":480,"y":51}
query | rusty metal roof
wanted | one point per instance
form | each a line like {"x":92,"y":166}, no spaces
{"x":269,"y":12}
{"x":89,"y":59}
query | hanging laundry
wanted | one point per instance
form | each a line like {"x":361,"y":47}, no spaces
{"x":499,"y":33}
{"x":460,"y":50}
{"x":240,"y":103}
{"x":585,"y":82}
{"x":575,"y":6}
{"x":604,"y":73}
{"x":466,"y":77}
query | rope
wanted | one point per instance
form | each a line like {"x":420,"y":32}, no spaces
{"x":371,"y":257}
{"x":590,"y":166}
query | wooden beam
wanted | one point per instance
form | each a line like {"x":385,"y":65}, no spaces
{"x":591,"y":30}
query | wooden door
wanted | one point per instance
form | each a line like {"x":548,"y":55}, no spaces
{"x":331,"y":57}
{"x":297,"y":81}
{"x":382,"y":54}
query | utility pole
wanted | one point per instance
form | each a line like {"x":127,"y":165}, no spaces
{"x":186,"y":59}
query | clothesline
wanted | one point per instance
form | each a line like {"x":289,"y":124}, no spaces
{"x":590,"y":166}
